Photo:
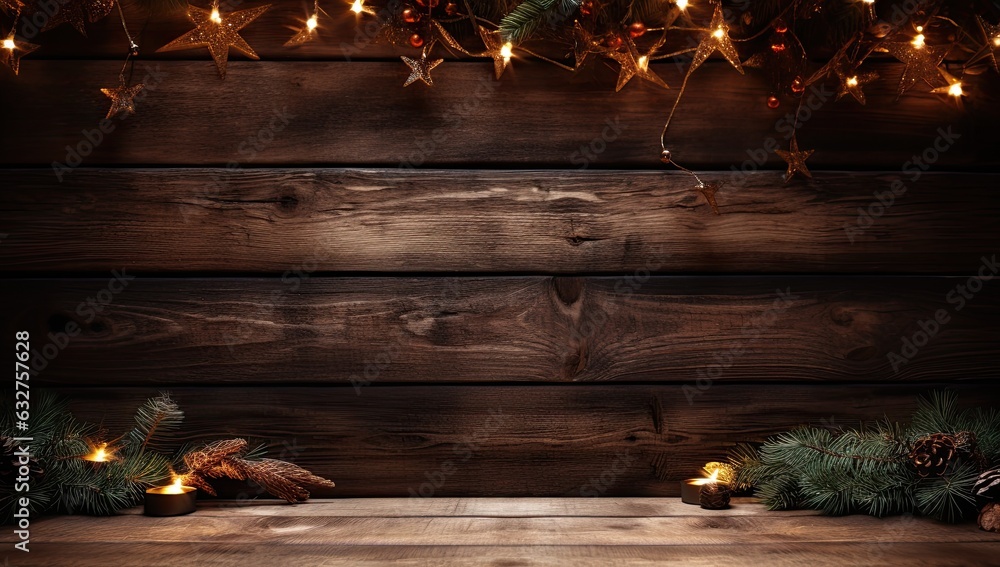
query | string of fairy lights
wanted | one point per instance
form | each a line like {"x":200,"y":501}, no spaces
{"x":630,"y":45}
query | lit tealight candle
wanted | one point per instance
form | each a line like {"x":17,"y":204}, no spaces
{"x":171,"y":500}
{"x":691,"y":488}
{"x":100,"y":454}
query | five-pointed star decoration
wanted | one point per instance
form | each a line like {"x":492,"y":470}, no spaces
{"x":12,"y":50}
{"x":496,"y":48}
{"x":122,"y":98}
{"x":76,"y":12}
{"x":921,"y":63}
{"x":992,"y":46}
{"x":851,"y":81}
{"x":218,"y":32}
{"x":796,"y":160}
{"x":583,"y":45}
{"x":420,"y":69}
{"x":708,"y":190}
{"x":717,"y":39}
{"x":633,"y":64}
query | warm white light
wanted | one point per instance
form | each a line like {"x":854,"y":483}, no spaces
{"x":996,"y":41}
{"x":312,"y":22}
{"x":643,"y":62}
{"x":955,"y":89}
{"x":719,"y":32}
{"x":852,"y":81}
{"x":176,"y":488}
{"x":682,"y":4}
{"x":507,"y":51}
{"x":357,"y":7}
{"x":100,"y":454}
{"x":215,"y":16}
{"x":869,"y":1}
{"x":713,"y":478}
{"x":9,"y":44}
{"x":918,"y":41}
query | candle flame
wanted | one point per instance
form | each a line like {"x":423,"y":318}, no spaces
{"x":100,"y":454}
{"x":176,"y":488}
{"x":712,"y":479}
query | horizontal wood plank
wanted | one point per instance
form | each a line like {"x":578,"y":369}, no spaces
{"x":511,"y":440}
{"x":790,"y":554}
{"x":321,"y":220}
{"x":309,"y":113}
{"x":302,"y":329}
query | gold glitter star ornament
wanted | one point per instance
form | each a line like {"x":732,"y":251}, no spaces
{"x":500,"y":51}
{"x":796,"y":160}
{"x":12,"y":50}
{"x":922,"y":63}
{"x":122,"y":98}
{"x":218,"y":32}
{"x":420,"y":69}
{"x":717,"y":39}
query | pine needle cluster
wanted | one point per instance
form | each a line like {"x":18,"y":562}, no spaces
{"x":868,"y":470}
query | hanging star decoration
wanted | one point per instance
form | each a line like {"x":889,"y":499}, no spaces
{"x":583,"y":45}
{"x":420,"y":69}
{"x":796,"y":160}
{"x":708,"y":190}
{"x":122,"y":98}
{"x":306,"y":34}
{"x":12,"y":50}
{"x":852,"y":81}
{"x":218,"y":32}
{"x":77,"y":12}
{"x":922,"y":62}
{"x":632,"y":65}
{"x":992,"y":47}
{"x":499,"y":50}
{"x":717,"y":39}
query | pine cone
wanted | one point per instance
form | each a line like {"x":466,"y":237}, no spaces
{"x":989,"y":517}
{"x":987,"y":487}
{"x":934,"y":455}
{"x":714,"y":496}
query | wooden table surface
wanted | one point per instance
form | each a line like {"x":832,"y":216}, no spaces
{"x":498,"y":531}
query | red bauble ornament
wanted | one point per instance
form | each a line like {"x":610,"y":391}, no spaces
{"x":416,"y":40}
{"x":780,"y":26}
{"x":451,"y":8}
{"x":410,"y":16}
{"x":636,"y":29}
{"x":773,"y":102}
{"x":586,"y":8}
{"x":778,"y":46}
{"x":613,"y":41}
{"x":798,"y":85}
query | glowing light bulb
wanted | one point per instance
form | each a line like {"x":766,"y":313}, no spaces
{"x":852,"y":81}
{"x":869,"y":1}
{"x":312,"y":22}
{"x":215,"y":17}
{"x":955,"y":89}
{"x":682,"y":4}
{"x":507,"y":51}
{"x":357,"y":7}
{"x":719,"y":32}
{"x":918,"y":41}
{"x":9,"y":44}
{"x":643,"y":62}
{"x":996,"y":41}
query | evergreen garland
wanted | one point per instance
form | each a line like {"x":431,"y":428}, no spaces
{"x":870,"y":470}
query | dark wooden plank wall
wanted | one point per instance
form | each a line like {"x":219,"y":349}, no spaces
{"x":373,"y":323}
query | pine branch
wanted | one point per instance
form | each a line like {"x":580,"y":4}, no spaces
{"x":522,"y":22}
{"x":156,"y":418}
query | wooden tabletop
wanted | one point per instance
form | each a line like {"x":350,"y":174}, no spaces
{"x":498,"y":531}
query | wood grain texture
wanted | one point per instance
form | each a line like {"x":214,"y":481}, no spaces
{"x":508,"y":440}
{"x":321,"y":220}
{"x":309,"y":113}
{"x":475,"y":329}
{"x":785,"y":554}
